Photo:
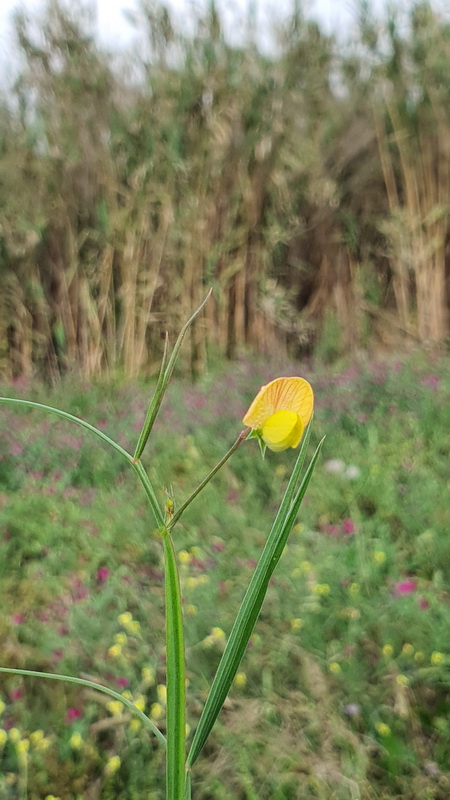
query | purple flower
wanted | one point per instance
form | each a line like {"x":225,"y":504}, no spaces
{"x":73,"y":714}
{"x":405,"y":587}
{"x":348,"y":526}
{"x":103,"y":574}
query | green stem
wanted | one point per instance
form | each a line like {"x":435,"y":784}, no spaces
{"x":90,"y":685}
{"x":176,"y":517}
{"x":176,"y":700}
{"x":150,"y":492}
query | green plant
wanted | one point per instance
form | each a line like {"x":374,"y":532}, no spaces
{"x":278,"y":426}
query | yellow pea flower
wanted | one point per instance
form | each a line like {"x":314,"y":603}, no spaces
{"x":280,"y":412}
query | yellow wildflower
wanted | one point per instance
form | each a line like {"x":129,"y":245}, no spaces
{"x":184,"y":557}
{"x":121,"y":639}
{"x":280,"y":412}
{"x":388,"y":650}
{"x":161,"y":691}
{"x":191,"y":610}
{"x":379,"y":557}
{"x":407,"y":649}
{"x":115,"y":707}
{"x":125,"y":619}
{"x":156,"y":711}
{"x":134,"y":626}
{"x":112,"y":765}
{"x":76,"y":741}
{"x":148,"y":676}
{"x":140,"y":702}
{"x":436,"y":658}
{"x":240,"y":680}
{"x":14,"y":735}
{"x":296,"y":624}
{"x":383,"y":729}
{"x":419,"y":656}
{"x":334,"y":667}
{"x":402,"y":680}
{"x":115,"y":651}
{"x":135,"y":725}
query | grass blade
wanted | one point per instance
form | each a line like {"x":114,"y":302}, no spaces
{"x":163,"y":380}
{"x":155,"y":404}
{"x":70,"y":418}
{"x":90,"y":685}
{"x":252,"y":603}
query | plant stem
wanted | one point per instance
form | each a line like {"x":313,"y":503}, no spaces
{"x":176,"y":690}
{"x":176,"y":517}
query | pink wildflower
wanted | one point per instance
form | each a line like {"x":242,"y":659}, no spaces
{"x":103,"y":574}
{"x":405,"y":587}
{"x":73,"y":714}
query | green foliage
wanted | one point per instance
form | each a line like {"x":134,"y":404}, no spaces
{"x":344,"y":687}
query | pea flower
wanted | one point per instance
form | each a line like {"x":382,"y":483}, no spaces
{"x":280,"y":413}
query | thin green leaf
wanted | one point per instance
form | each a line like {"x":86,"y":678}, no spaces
{"x":251,"y":604}
{"x":176,"y":690}
{"x":91,"y":685}
{"x":92,"y":429}
{"x":71,"y":418}
{"x":163,"y":381}
{"x":156,"y":402}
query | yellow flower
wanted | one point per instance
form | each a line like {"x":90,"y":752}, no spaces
{"x":191,"y":610}
{"x":334,"y":667}
{"x":115,"y":707}
{"x":436,"y":658}
{"x":379,"y":557}
{"x":161,"y":691}
{"x":113,"y":765}
{"x":140,"y":702}
{"x":156,"y":711}
{"x":296,"y":624}
{"x":240,"y":680}
{"x":135,"y":725}
{"x":121,"y":639}
{"x":280,"y":412}
{"x":115,"y":651}
{"x":125,"y":618}
{"x":76,"y":741}
{"x":402,"y":680}
{"x":407,"y":649}
{"x":383,"y":729}
{"x":14,"y":735}
{"x":387,"y":650}
{"x":184,"y":557}
{"x":148,"y":676}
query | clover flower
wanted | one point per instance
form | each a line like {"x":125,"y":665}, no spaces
{"x":280,"y":413}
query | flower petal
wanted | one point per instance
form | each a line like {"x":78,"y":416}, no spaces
{"x":282,"y":394}
{"x":282,"y":430}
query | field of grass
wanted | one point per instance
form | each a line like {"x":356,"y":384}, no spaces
{"x":344,"y":692}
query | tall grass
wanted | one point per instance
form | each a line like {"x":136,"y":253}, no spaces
{"x":308,"y":187}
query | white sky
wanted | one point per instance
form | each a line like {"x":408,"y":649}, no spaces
{"x":115,"y":32}
{"x":114,"y":29}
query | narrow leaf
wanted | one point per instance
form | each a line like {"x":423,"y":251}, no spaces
{"x":251,"y":604}
{"x":163,"y":381}
{"x":91,"y":685}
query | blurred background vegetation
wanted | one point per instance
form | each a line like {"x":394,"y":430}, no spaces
{"x":307,"y":182}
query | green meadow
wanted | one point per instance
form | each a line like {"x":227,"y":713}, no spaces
{"x":343,"y":692}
